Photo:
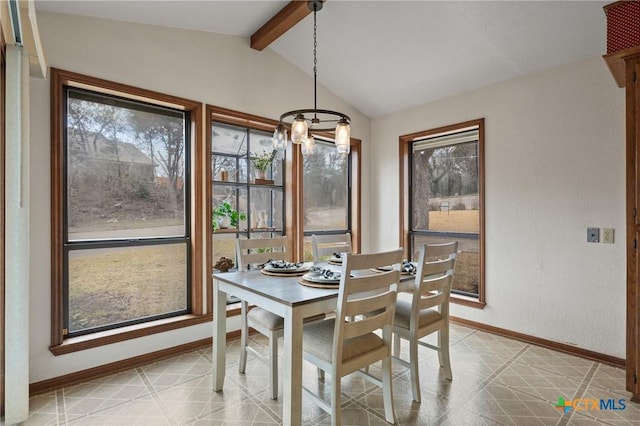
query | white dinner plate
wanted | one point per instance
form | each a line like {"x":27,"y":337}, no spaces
{"x":292,"y":269}
{"x":320,"y":279}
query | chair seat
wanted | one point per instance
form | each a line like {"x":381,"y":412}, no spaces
{"x":403,"y":315}
{"x":267,"y":319}
{"x":271,"y":321}
{"x":318,"y":341}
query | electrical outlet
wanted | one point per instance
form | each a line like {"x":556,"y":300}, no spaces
{"x":607,"y":235}
{"x":593,"y":235}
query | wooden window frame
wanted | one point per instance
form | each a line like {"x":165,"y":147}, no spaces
{"x":405,"y":144}
{"x":60,"y":344}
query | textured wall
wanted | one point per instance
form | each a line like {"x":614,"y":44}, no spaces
{"x":554,"y":149}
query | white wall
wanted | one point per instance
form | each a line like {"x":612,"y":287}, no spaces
{"x":555,"y":158}
{"x":215,"y":69}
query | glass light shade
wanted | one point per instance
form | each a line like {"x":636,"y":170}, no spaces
{"x":280,"y":138}
{"x":299,"y":129}
{"x":343,"y":137}
{"x":309,"y":145}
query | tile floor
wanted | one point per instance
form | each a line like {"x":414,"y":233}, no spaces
{"x":496,"y":381}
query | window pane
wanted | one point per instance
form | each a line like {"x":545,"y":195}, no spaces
{"x":326,"y":189}
{"x":266,"y":209}
{"x":125,"y":169}
{"x":224,"y":245}
{"x":261,"y":144}
{"x":445,"y":190}
{"x":467,"y":272}
{"x":228,"y":139}
{"x":113,"y":285}
{"x":233,"y":198}
{"x":307,"y":249}
{"x":229,"y":168}
{"x":445,"y":201}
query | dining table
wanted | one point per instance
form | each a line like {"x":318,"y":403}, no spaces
{"x":284,"y":296}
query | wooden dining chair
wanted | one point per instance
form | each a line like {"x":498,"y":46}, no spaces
{"x":340,"y":347}
{"x":326,"y":244}
{"x":255,"y":252}
{"x":426,"y":310}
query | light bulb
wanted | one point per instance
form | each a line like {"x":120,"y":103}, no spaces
{"x":280,"y":138}
{"x":299,"y":129}
{"x":343,"y":137}
{"x":309,"y":145}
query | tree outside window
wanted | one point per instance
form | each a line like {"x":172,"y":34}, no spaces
{"x":444,"y":171}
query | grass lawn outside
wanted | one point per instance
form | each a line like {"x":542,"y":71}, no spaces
{"x":107,"y":286}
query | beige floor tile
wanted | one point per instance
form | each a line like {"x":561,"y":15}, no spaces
{"x":497,"y":381}
{"x":41,"y":419}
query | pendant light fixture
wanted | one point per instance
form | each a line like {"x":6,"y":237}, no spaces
{"x":304,"y":122}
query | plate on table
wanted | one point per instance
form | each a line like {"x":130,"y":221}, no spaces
{"x":407,"y":268}
{"x":335,"y":259}
{"x":322,"y":276}
{"x":284,"y":267}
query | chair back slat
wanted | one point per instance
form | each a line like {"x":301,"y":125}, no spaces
{"x":326,"y":245}
{"x":259,"y":250}
{"x":435,"y":292}
{"x":441,"y":250}
{"x":371,"y":261}
{"x":437,"y":267}
{"x":436,"y":284}
{"x":366,"y":325}
{"x":372,"y":303}
{"x":372,"y":280}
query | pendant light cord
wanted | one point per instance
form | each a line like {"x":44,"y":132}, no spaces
{"x":315,"y":60}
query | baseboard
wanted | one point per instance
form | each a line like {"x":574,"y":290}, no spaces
{"x":538,"y":341}
{"x":125,"y":364}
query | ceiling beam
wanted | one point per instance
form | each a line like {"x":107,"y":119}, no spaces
{"x":281,"y":22}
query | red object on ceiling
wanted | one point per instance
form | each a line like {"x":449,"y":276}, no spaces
{"x":623,"y":25}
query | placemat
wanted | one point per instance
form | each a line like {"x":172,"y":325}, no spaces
{"x":318,"y":285}
{"x":333,"y":262}
{"x":284,"y":274}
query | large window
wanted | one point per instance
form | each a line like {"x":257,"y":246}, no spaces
{"x":123,"y":180}
{"x":327,"y":198}
{"x":300,"y":195}
{"x":443,"y":168}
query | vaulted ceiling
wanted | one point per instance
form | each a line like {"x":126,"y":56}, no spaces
{"x":386,"y":56}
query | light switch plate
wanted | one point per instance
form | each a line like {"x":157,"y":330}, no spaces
{"x":607,"y":235}
{"x":593,"y":235}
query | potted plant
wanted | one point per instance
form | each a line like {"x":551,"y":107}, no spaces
{"x":261,"y":163}
{"x":224,"y":215}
